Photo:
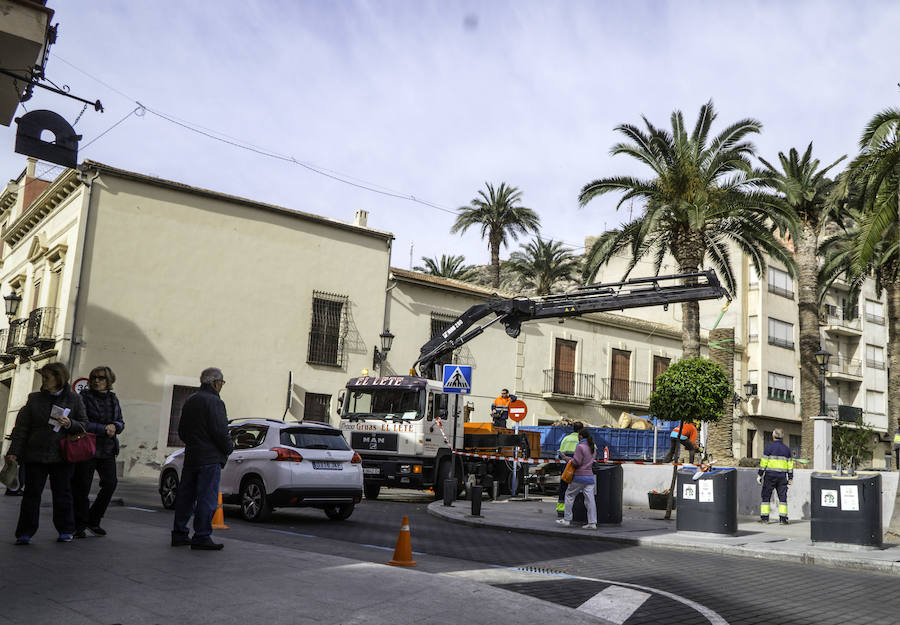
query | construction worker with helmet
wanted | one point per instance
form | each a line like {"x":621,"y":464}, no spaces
{"x":776,"y":472}
{"x":567,"y":452}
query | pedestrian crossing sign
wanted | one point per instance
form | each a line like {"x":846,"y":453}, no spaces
{"x":458,"y":379}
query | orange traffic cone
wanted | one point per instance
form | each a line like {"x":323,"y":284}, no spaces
{"x":403,"y":550}
{"x":218,"y":522}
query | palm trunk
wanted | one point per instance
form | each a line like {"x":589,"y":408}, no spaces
{"x":892,"y":289}
{"x":810,"y":342}
{"x":495,"y":264}
{"x":720,"y":440}
{"x":688,"y":254}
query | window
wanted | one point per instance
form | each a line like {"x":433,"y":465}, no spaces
{"x":248,"y":436}
{"x":53,"y":288}
{"x":754,"y":278}
{"x":179,"y":396}
{"x":620,"y":374}
{"x":564,"y":367}
{"x":781,"y":283}
{"x":660,"y":364}
{"x":328,"y":329}
{"x":781,"y":333}
{"x":874,"y":312}
{"x":795,"y":442}
{"x":781,"y":387}
{"x":314,"y":438}
{"x":753,"y":329}
{"x":315,"y":407}
{"x":767,"y":437}
{"x":874,"y":357}
{"x":751,"y":439}
{"x":875,"y":402}
{"x":439,"y":324}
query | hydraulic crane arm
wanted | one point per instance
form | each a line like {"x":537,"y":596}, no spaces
{"x":634,"y":293}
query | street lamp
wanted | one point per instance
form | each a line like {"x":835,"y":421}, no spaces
{"x":12,"y":302}
{"x":822,"y":358}
{"x":387,"y":340}
{"x":749,"y":393}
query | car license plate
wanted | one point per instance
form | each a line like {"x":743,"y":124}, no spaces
{"x":326,"y":464}
{"x":371,"y":470}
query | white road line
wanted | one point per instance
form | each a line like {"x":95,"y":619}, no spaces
{"x":140,"y":509}
{"x":615,"y":603}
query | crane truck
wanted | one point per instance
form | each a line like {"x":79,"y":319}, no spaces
{"x":409,"y":432}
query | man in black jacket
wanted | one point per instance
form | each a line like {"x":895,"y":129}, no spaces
{"x":207,"y":445}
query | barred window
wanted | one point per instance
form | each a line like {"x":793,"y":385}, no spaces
{"x":439,"y":324}
{"x":315,"y":407}
{"x":328,"y":329}
{"x":781,"y":387}
{"x":179,"y":396}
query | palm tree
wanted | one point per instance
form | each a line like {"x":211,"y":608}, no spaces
{"x":703,"y":195}
{"x":500,"y":216}
{"x":804,"y":190}
{"x":540,"y":265}
{"x":453,"y":267}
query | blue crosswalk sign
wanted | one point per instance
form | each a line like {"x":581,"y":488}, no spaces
{"x":458,"y":379}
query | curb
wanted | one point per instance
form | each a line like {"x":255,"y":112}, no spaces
{"x":802,"y":557}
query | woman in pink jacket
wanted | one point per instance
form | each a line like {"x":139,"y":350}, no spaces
{"x":583,"y":482}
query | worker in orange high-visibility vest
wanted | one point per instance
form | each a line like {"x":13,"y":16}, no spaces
{"x":500,"y":408}
{"x":686,"y":435}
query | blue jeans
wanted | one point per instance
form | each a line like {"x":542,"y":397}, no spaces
{"x":198,"y":494}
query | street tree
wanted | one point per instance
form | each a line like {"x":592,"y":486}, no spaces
{"x":702,"y":196}
{"x":803,"y":189}
{"x":499,"y":214}
{"x":541,"y":265}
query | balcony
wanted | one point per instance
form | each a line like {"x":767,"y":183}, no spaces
{"x":844,"y":369}
{"x":617,"y":392}
{"x":16,"y":345}
{"x":844,"y":413}
{"x":841,"y":322}
{"x":24,"y":32}
{"x":41,"y":332}
{"x":781,"y":394}
{"x":568,"y":385}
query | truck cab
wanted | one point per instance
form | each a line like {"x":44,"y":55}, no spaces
{"x":402,"y":427}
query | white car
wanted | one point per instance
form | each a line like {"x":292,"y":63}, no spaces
{"x":281,"y":464}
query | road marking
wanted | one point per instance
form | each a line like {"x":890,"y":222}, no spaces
{"x":293,"y":533}
{"x":140,"y":509}
{"x":615,"y":603}
{"x":415,"y":553}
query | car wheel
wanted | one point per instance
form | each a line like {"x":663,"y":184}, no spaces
{"x":169,"y":489}
{"x":372,"y":490}
{"x":339,"y":512}
{"x":254,"y":502}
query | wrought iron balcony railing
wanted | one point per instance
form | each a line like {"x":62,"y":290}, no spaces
{"x":41,"y":331}
{"x":16,"y":345}
{"x":580,"y":385}
{"x":4,"y":339}
{"x":625,"y":391}
{"x":873,"y":318}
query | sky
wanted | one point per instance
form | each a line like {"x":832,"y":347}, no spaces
{"x":431,"y":100}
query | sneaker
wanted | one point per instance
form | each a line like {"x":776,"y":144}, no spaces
{"x":563,"y":522}
{"x":784,"y":521}
{"x":64,"y":538}
{"x":589,"y":526}
{"x":96,"y":530}
{"x":23,"y":540}
{"x":180,"y":541}
{"x":207,"y":546}
{"x":79,"y":534}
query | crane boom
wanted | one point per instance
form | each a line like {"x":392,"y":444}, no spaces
{"x":512,"y":312}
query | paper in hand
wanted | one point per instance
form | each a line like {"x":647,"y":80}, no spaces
{"x":56,"y":414}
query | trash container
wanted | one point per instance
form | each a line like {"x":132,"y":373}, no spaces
{"x":846,"y":509}
{"x":709,"y":503}
{"x":608,"y":495}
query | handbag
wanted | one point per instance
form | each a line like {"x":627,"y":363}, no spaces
{"x":78,"y":447}
{"x":568,"y":473}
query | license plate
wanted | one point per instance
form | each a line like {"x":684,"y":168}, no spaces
{"x":371,"y":470}
{"x":326,"y":464}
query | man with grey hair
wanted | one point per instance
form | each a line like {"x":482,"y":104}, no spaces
{"x":776,"y":472}
{"x":204,"y":429}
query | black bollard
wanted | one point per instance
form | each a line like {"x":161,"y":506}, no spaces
{"x":476,"y":500}
{"x":449,"y":491}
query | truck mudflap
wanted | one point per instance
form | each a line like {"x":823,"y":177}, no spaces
{"x":399,"y":472}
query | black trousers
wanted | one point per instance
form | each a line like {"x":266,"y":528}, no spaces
{"x":36,"y":474}
{"x":673,"y":448}
{"x":87,"y":515}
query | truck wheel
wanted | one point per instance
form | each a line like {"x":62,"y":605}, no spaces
{"x":371,"y":491}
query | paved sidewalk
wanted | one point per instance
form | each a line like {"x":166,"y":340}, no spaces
{"x":132,"y":576}
{"x":645,"y":527}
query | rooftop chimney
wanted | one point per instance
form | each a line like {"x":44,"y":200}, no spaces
{"x":360,"y":218}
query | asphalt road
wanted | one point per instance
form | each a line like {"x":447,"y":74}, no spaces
{"x":646,"y":585}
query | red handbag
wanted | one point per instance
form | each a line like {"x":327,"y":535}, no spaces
{"x":78,"y":447}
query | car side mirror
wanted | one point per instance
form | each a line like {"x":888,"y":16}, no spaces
{"x":340,"y":403}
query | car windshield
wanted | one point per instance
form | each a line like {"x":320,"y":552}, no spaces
{"x":314,"y":438}
{"x":397,"y":404}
